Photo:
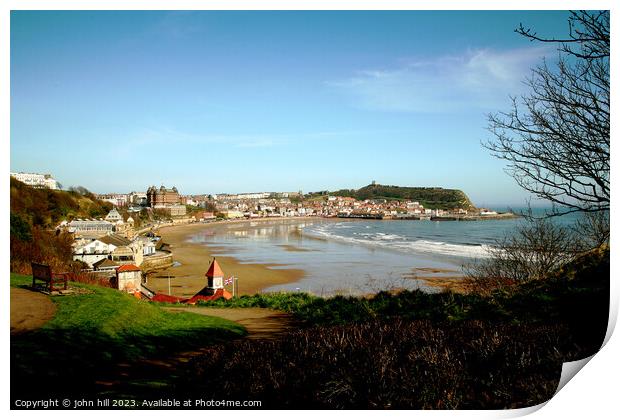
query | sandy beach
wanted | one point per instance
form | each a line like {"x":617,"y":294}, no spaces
{"x":189,"y":277}
{"x":268,"y":255}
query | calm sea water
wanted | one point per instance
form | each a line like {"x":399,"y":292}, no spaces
{"x":358,"y":256}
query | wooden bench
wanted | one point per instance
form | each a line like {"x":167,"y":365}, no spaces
{"x":44,"y":273}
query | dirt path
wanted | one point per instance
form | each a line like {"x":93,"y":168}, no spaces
{"x":29,"y":310}
{"x":148,"y":375}
{"x":260,"y":323}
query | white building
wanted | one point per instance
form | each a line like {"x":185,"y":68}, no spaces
{"x":137,"y":198}
{"x":232,"y":214}
{"x":119,"y":200}
{"x":242,"y":196}
{"x":114,"y":216}
{"x":90,"y":228}
{"x":126,"y":251}
{"x":36,"y":180}
{"x":114,"y":247}
{"x":129,"y":278}
{"x":191,"y":202}
{"x":148,"y":245}
{"x":93,"y":252}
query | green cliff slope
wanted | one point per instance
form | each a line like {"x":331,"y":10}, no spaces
{"x":429,"y":197}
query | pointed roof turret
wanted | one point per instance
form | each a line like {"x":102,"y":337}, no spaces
{"x":214,"y":270}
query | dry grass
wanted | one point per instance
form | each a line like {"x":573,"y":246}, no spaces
{"x":396,"y":364}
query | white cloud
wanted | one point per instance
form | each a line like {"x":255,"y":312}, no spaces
{"x":479,"y":79}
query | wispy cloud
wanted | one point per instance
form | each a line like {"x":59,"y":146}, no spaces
{"x":479,"y":78}
{"x":161,"y":136}
{"x":164,"y":137}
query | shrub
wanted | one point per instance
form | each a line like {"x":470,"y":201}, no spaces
{"x":393,"y":364}
{"x":534,"y":251}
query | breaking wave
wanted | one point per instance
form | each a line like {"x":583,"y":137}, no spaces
{"x":398,"y":242}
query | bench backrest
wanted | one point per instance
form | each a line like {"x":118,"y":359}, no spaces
{"x":41,"y":271}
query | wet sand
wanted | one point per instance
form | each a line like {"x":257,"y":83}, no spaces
{"x":293,"y":248}
{"x":189,"y":277}
{"x":195,"y":257}
{"x":442,"y":279}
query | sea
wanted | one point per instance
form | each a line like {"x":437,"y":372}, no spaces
{"x":352,"y":257}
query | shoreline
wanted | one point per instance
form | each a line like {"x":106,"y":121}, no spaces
{"x":188,"y":278}
{"x":187,"y":275}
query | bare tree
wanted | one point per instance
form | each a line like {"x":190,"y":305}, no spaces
{"x":592,"y":231}
{"x":556,"y":138}
{"x":535,"y":250}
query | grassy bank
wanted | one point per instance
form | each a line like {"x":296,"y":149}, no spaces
{"x":95,"y":332}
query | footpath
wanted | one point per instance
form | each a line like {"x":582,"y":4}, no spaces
{"x":260,"y":323}
{"x":29,"y":310}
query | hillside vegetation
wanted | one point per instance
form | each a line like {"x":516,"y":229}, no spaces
{"x":429,"y":197}
{"x":582,"y":283}
{"x":417,"y":350}
{"x":46,"y":208}
{"x":406,"y":350}
{"x":94,"y":333}
{"x":34,"y":215}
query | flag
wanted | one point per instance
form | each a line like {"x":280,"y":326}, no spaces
{"x":228,"y":280}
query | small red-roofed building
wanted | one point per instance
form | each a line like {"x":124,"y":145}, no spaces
{"x":215,"y":276}
{"x":214,"y":288}
{"x":129,"y":278}
{"x":204,"y":296}
{"x":212,"y":291}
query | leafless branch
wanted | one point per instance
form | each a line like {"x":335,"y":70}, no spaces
{"x":556,"y":139}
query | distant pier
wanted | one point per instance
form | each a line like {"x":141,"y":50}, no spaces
{"x":442,"y":218}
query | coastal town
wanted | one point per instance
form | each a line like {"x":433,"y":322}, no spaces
{"x":179,"y":208}
{"x":347,"y":209}
{"x":126,"y":241}
{"x":205,"y":207}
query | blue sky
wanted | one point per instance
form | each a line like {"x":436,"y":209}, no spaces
{"x":268,"y":101}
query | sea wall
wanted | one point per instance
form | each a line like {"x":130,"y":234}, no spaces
{"x":157,"y":261}
{"x":465,"y":217}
